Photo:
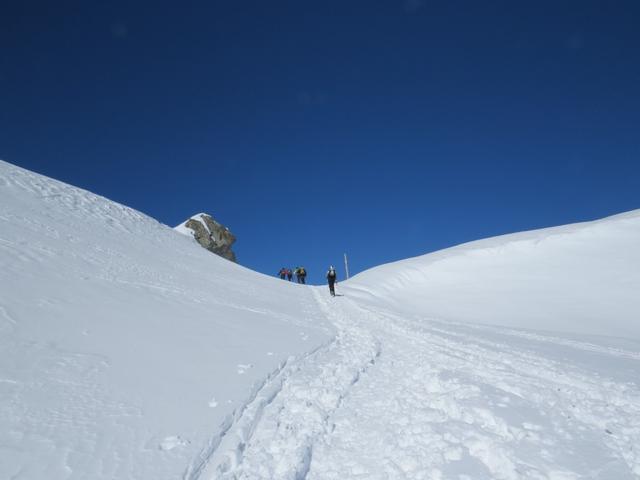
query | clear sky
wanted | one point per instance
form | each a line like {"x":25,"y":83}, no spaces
{"x":385,"y":129}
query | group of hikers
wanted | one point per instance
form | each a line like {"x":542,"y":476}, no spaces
{"x":299,"y":272}
{"x":301,"y":276}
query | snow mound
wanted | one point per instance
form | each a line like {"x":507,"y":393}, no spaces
{"x":582,"y":278}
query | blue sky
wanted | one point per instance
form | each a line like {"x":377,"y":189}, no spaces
{"x":384,"y":129}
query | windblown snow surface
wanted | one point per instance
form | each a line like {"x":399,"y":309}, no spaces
{"x":129,"y":352}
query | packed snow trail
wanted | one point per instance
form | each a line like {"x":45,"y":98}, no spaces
{"x":276,"y":434}
{"x":458,"y":402}
{"x":393,"y":397}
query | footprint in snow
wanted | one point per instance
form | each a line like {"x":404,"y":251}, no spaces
{"x":170,"y":443}
{"x":243,"y":368}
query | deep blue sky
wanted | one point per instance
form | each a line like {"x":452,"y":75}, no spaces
{"x":385,"y":129}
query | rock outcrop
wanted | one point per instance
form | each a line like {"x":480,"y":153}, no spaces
{"x":212,"y":235}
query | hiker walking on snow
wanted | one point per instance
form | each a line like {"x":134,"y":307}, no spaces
{"x":282,"y":273}
{"x":301,"y":274}
{"x":332,"y":278}
{"x":289,"y":274}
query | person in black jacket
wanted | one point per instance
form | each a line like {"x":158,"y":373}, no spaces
{"x":332,"y":278}
{"x":301,"y":274}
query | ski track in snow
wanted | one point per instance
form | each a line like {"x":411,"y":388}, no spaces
{"x":444,"y":405}
{"x":4,"y":314}
{"x":392,"y":397}
{"x":273,"y":436}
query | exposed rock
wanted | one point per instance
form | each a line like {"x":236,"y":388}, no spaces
{"x":212,"y":235}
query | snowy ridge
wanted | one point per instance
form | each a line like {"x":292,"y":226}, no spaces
{"x":580,"y":278}
{"x":124,"y":344}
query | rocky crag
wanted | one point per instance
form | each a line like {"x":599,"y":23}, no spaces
{"x":210,"y":234}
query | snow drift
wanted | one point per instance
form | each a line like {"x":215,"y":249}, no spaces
{"x":582,"y":278}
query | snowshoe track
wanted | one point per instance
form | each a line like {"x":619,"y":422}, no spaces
{"x":273,"y":436}
{"x":457,"y":402}
{"x":446,"y":400}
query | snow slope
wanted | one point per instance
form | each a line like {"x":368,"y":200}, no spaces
{"x":420,"y":385}
{"x":126,"y":348}
{"x":582,"y":278}
{"x":409,"y":398}
{"x":129,"y":352}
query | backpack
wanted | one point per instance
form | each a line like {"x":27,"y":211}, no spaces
{"x":302,"y":271}
{"x":332,"y":274}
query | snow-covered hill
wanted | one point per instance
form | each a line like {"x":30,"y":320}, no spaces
{"x":129,"y":352}
{"x":124,"y":346}
{"x":582,"y":278}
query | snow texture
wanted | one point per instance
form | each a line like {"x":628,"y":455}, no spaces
{"x":129,"y":352}
{"x":116,"y":332}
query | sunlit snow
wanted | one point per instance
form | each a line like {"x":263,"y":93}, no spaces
{"x":129,"y":352}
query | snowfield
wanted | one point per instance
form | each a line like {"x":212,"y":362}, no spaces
{"x":129,"y":352}
{"x":580,"y":278}
{"x":125,"y":347}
